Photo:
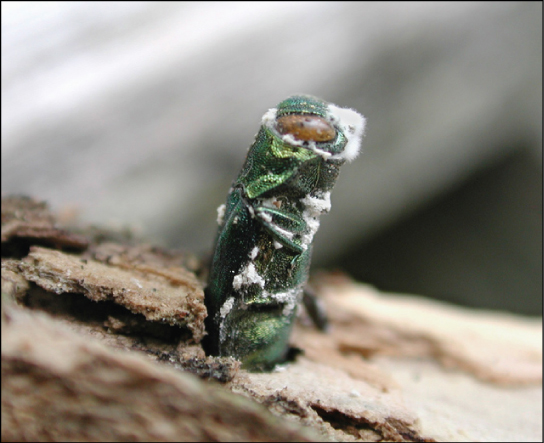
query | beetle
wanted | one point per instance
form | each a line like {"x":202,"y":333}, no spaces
{"x":263,"y":247}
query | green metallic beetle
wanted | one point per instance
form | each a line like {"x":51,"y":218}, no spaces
{"x":263,"y":248}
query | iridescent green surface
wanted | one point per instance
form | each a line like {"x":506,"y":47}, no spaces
{"x":263,"y":248}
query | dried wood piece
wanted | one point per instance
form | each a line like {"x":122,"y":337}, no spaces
{"x":59,"y":386}
{"x":172,"y":265}
{"x":29,"y":221}
{"x":495,"y":347}
{"x":14,"y":285}
{"x":332,"y":401}
{"x":177,"y":300}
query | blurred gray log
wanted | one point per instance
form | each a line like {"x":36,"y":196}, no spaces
{"x":141,"y":113}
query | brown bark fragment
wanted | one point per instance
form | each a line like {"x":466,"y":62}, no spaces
{"x":340,"y":406}
{"x":14,"y":285}
{"x":495,"y":347}
{"x":30,"y":221}
{"x":177,"y":300}
{"x":145,"y":258}
{"x":57,"y":386}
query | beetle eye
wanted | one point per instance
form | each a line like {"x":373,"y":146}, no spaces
{"x":306,"y":127}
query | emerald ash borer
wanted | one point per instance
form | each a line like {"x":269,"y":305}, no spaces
{"x":263,"y":248}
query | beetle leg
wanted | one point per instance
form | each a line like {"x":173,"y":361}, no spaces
{"x":283,"y":226}
{"x":315,"y":309}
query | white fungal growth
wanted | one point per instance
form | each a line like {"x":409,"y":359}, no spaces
{"x":226,"y":308}
{"x":352,"y":125}
{"x":324,"y":154}
{"x":291,"y":140}
{"x":221,"y":214}
{"x":253,"y":253}
{"x":313,"y":227}
{"x":288,"y":298}
{"x":265,"y":216}
{"x":247,"y":276}
{"x":318,"y":204}
{"x":269,"y":118}
{"x":314,"y":206}
{"x":308,"y":144}
{"x":223,"y":312}
{"x":272,"y":203}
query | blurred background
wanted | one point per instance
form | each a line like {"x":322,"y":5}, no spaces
{"x":140,"y":113}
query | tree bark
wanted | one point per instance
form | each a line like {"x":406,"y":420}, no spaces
{"x":101,"y":341}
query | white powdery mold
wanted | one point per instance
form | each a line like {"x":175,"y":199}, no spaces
{"x":289,"y":298}
{"x":253,"y":253}
{"x":265,"y":216}
{"x":272,"y":202}
{"x":227,"y":307}
{"x":308,"y":144}
{"x":269,"y":117}
{"x":314,"y":206}
{"x":317,"y":204}
{"x":313,"y":227}
{"x":324,"y":154}
{"x":352,"y":125}
{"x":291,"y":140}
{"x":223,"y":312}
{"x":221,"y":214}
{"x":247,"y":276}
